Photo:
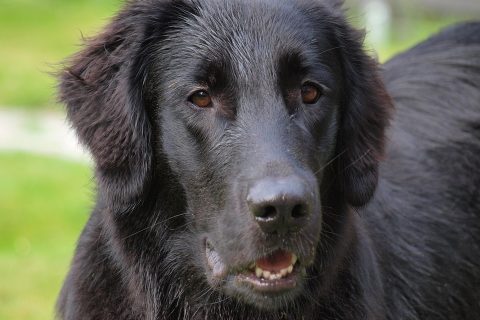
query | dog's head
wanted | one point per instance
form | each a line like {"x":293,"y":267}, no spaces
{"x":267,"y":117}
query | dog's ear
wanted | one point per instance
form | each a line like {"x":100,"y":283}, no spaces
{"x":102,"y":89}
{"x":365,"y":112}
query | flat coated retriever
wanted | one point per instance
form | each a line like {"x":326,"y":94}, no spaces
{"x":237,"y":147}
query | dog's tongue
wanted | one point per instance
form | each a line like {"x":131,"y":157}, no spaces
{"x":276,"y":261}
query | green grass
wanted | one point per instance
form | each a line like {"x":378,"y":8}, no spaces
{"x":44,"y":202}
{"x":35,"y":36}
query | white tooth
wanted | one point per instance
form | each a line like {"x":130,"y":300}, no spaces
{"x":258,"y":272}
{"x":290,"y":269}
{"x":284,"y":272}
{"x":266,"y":274}
{"x":273,"y":277}
{"x":294,"y":259}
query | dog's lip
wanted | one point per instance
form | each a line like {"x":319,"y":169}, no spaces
{"x":282,"y":276}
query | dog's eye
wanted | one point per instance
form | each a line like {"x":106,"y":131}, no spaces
{"x":310,"y":93}
{"x":201,"y":99}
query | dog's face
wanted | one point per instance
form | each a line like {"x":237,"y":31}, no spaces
{"x":263,"y":119}
{"x":249,"y":120}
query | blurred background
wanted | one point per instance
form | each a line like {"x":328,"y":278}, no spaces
{"x":46,"y":185}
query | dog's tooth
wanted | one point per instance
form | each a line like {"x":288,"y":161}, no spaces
{"x":266,"y":274}
{"x":284,"y":272}
{"x":258,"y":272}
{"x":294,"y":259}
{"x":290,"y":269}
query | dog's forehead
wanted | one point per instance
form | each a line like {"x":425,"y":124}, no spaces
{"x":249,"y":36}
{"x":250,"y":23}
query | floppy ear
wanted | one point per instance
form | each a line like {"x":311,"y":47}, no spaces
{"x":102,"y":89}
{"x":365,"y":112}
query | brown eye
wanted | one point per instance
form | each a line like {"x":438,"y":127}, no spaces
{"x":201,"y":99}
{"x":310,"y":93}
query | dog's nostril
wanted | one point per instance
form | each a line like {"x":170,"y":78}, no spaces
{"x":299,"y":211}
{"x":268,"y":212}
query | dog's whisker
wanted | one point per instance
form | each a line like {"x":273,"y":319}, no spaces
{"x":357,"y":159}
{"x":155,"y":224}
{"x":330,"y":162}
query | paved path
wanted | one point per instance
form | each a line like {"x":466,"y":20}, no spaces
{"x":45,"y":133}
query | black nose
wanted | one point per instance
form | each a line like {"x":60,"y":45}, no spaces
{"x":280,"y":205}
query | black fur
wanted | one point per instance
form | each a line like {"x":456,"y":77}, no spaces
{"x":399,"y":240}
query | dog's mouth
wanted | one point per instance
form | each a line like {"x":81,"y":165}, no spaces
{"x":274,"y":273}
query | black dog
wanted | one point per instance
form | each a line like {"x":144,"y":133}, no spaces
{"x":235,"y":143}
